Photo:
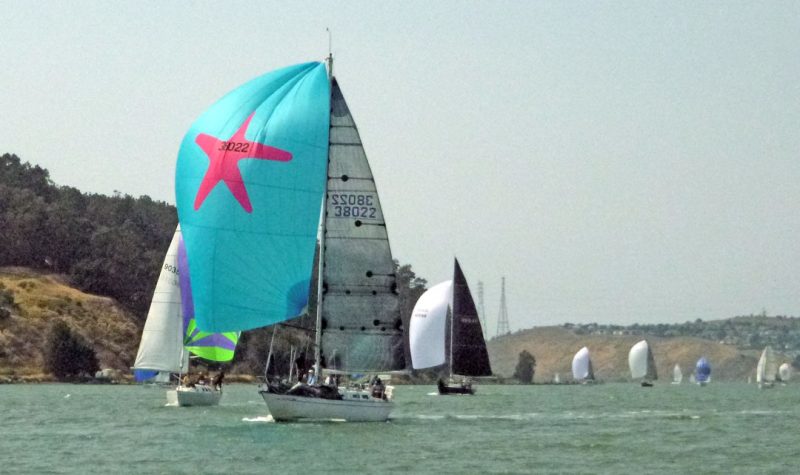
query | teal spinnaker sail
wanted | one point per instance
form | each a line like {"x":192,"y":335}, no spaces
{"x":249,"y":184}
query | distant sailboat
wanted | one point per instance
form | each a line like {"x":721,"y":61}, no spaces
{"x":467,"y":349}
{"x":702,"y":372}
{"x":767,"y":368}
{"x":677,"y":374}
{"x":785,"y":372}
{"x":642,"y":364}
{"x":171,"y":334}
{"x":557,"y":379}
{"x":582,"y":370}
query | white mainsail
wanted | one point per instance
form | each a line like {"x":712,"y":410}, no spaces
{"x":785,"y":372}
{"x":677,"y":374}
{"x":582,"y":365}
{"x":426,"y":330}
{"x":161,"y":347}
{"x":767,"y":367}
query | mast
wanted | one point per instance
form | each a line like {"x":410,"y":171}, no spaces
{"x":322,"y":232}
{"x":502,"y":319}
{"x":452,"y":321}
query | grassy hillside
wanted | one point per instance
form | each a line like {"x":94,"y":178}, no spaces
{"x":38,"y":300}
{"x":554,"y":348}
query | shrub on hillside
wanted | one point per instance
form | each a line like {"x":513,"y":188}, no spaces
{"x":67,"y":355}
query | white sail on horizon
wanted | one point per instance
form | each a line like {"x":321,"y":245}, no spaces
{"x":581,"y":365}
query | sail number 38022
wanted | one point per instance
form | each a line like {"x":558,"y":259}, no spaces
{"x":353,"y":205}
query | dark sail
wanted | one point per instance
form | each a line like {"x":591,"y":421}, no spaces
{"x":361,"y":326}
{"x":469,"y":356}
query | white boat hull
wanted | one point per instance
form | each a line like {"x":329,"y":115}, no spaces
{"x":195,"y":396}
{"x":352,"y":407}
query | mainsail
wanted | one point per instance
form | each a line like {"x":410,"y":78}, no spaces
{"x":249,"y":182}
{"x":582,"y":365}
{"x":468,"y":352}
{"x":361,"y":325}
{"x":160,"y":348}
{"x":427,"y":328}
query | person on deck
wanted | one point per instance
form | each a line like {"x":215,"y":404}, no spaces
{"x":218,"y":380}
{"x":312,"y":378}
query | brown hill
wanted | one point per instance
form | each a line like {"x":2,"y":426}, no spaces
{"x":554,"y":348}
{"x":38,"y":300}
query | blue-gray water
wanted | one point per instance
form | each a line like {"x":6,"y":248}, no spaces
{"x":612,"y":428}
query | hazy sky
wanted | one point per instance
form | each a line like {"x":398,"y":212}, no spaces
{"x":618,"y":162}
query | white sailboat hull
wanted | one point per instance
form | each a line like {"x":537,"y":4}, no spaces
{"x":352,"y":407}
{"x":195,"y":396}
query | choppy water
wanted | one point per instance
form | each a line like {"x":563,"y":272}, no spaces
{"x":611,"y":428}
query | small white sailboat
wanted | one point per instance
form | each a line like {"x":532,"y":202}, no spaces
{"x":677,"y":374}
{"x":556,"y":378}
{"x":169,"y":337}
{"x":642,"y":364}
{"x":582,"y":370}
{"x":767,"y":369}
{"x":785,"y":372}
{"x":467,"y":348}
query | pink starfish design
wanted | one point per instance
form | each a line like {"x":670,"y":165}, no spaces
{"x":224,"y":156}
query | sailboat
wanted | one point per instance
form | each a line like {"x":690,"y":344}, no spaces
{"x":766,"y":369}
{"x":785,"y":372}
{"x":170,"y":334}
{"x":468,"y":356}
{"x":582,"y":370}
{"x":677,"y":374}
{"x":642,"y":364}
{"x":702,"y":372}
{"x":289,"y":154}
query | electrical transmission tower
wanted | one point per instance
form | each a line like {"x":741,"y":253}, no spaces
{"x":502,"y":319}
{"x":482,"y":315}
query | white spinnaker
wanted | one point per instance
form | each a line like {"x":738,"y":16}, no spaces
{"x":785,"y":372}
{"x":637,"y":359}
{"x":580,"y":364}
{"x":161,"y":347}
{"x":426,"y":331}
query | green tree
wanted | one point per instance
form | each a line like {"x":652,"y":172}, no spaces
{"x":67,"y":355}
{"x":526,"y":367}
